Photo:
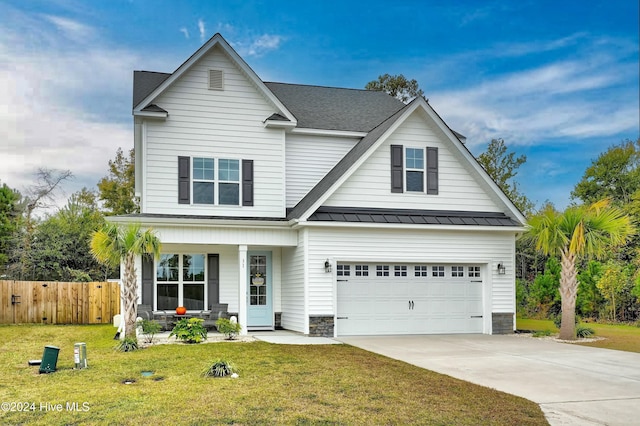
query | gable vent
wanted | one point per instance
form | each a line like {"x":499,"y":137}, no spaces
{"x":215,"y":80}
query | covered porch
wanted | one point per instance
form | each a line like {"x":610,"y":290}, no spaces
{"x":217,"y":268}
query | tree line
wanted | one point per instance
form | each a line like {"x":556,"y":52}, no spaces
{"x":39,"y":246}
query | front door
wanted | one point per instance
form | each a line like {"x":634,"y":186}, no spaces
{"x":259,"y":303}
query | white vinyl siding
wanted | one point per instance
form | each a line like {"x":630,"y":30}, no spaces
{"x":370,"y":185}
{"x":293,"y":281}
{"x":398,"y":246}
{"x":308,"y":159}
{"x":213,"y":124}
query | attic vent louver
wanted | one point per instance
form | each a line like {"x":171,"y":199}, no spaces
{"x":215,"y":80}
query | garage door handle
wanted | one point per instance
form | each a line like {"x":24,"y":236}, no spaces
{"x":476,"y":316}
{"x":343,"y":318}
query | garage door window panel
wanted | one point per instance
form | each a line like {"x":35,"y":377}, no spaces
{"x":437,"y":271}
{"x":474,"y":271}
{"x":457,"y":271}
{"x":400,"y":271}
{"x":343,"y":270}
{"x":421,"y":271}
{"x":382,"y":270}
{"x":362,"y":270}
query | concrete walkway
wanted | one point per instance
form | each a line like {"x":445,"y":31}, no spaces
{"x":285,"y":337}
{"x":574,"y":385}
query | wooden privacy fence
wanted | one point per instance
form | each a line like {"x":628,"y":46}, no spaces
{"x":58,"y":302}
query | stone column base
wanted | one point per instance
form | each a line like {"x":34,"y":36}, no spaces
{"x":321,"y":325}
{"x":502,"y":323}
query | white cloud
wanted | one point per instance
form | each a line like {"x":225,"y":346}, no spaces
{"x":202,"y":30}
{"x":71,"y":29}
{"x":185,"y":31}
{"x":564,"y":98}
{"x":264,"y":43}
{"x":64,"y":101}
{"x":257,"y":46}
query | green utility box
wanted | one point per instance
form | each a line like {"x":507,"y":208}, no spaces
{"x":49,"y":359}
{"x":80,"y":355}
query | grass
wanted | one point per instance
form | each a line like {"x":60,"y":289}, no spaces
{"x":278,"y":384}
{"x":619,"y":337}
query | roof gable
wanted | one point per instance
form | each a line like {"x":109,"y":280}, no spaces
{"x":146,"y":80}
{"x":364,"y":149}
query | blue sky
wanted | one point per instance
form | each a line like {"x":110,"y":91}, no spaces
{"x":557,"y":80}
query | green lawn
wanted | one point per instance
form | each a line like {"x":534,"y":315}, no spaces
{"x":278,"y":384}
{"x":619,"y":337}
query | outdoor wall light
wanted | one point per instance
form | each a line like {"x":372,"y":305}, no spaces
{"x":501,"y":269}
{"x":327,"y":266}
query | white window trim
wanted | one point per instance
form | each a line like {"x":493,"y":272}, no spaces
{"x":216,"y":181}
{"x":423,"y":170}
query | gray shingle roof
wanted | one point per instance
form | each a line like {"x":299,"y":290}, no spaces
{"x":344,"y":164}
{"x":144,"y":82}
{"x":333,"y":108}
{"x":419,"y":217}
{"x":153,"y":108}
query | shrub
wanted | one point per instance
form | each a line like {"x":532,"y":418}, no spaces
{"x":150,"y":328}
{"x":128,"y":344}
{"x":541,"y":333}
{"x":219,"y":368}
{"x":229,"y":328}
{"x":190,"y":330}
{"x":583,"y":332}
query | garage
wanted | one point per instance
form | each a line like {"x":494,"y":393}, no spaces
{"x":379,"y":299}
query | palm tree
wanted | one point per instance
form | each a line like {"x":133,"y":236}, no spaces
{"x":579,"y":232}
{"x":113,"y":244}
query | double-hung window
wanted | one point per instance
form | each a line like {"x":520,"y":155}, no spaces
{"x":204,"y":183}
{"x":216,"y":181}
{"x":414,"y":169}
{"x":229,"y":182}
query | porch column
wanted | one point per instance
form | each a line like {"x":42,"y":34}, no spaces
{"x":242,"y":288}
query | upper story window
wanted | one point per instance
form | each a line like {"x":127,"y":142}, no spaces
{"x":414,"y":170}
{"x":216,"y":181}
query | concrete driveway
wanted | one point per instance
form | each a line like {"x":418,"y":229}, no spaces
{"x":574,"y":385}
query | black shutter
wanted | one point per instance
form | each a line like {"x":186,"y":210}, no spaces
{"x":247,"y":182}
{"x":147,"y":280}
{"x":396,"y":168}
{"x":432,"y":171}
{"x":213,"y":279}
{"x":184,"y":181}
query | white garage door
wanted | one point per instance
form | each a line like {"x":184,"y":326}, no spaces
{"x":408,"y":299}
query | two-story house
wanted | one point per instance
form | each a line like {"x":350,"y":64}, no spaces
{"x":322,"y":210}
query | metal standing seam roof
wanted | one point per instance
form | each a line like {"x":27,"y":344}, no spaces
{"x":404,"y":216}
